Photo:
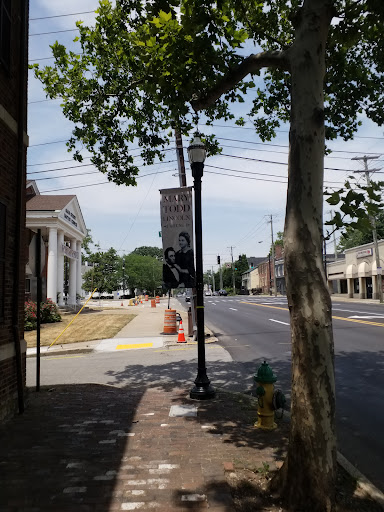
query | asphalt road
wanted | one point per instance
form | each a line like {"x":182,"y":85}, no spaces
{"x":256,"y":328}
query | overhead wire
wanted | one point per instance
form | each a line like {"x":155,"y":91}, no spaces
{"x":102,"y":183}
{"x":61,"y":15}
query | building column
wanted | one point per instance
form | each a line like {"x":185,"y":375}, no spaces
{"x":362,"y":288}
{"x":72,"y":276}
{"x":350,"y":287}
{"x":52,"y":265}
{"x":79,"y":290}
{"x":375,"y":289}
{"x":60,"y":267}
{"x":330,"y":286}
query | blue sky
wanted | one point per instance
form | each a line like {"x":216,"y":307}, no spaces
{"x":236,"y":209}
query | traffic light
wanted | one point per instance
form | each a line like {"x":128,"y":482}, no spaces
{"x":218,"y":260}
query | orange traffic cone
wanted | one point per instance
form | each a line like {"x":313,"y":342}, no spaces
{"x":181,"y":337}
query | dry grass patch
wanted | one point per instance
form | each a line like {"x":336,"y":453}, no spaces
{"x":88,"y":326}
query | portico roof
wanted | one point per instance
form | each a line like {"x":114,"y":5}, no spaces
{"x":48,"y":203}
{"x":56,"y":211}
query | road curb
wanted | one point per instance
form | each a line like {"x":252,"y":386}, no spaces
{"x":62,"y":352}
{"x":361,"y":480}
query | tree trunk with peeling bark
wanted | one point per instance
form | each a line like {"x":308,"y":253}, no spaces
{"x":306,"y":480}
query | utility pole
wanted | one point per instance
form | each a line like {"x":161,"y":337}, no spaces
{"x":365,"y":158}
{"x":221,"y":273}
{"x":325,"y":254}
{"x":180,"y":158}
{"x":335,"y":252}
{"x":233,"y":271}
{"x":273,"y":258}
{"x":213,"y":281}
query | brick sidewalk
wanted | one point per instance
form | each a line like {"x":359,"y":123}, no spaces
{"x":83,"y":448}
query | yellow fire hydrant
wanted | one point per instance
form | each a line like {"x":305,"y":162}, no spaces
{"x":268,"y":399}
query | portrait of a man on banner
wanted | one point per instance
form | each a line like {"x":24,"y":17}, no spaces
{"x":177,"y":234}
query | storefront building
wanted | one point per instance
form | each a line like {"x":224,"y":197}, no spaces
{"x":356,"y":275}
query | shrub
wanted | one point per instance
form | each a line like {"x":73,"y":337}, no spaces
{"x":30,"y":318}
{"x":48,"y":314}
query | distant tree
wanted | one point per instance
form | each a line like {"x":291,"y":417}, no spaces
{"x":86,"y":246}
{"x":104,"y":274}
{"x":280,"y":238}
{"x":241,"y":266}
{"x":149,"y":251}
{"x":355,"y":237}
{"x":279,"y":241}
{"x":142,"y":272}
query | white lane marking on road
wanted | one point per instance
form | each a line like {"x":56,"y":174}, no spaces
{"x":233,"y":309}
{"x":367,"y":317}
{"x":353,"y":311}
{"x":278,"y":321}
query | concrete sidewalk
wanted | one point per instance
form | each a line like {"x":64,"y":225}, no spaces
{"x":146,"y":326}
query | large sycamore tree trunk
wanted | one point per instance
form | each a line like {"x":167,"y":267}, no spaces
{"x":307,"y":477}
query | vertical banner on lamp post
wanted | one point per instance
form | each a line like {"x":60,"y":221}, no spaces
{"x":177,"y":234}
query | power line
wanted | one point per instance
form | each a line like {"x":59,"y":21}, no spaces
{"x":80,"y":174}
{"x":60,"y":169}
{"x":57,"y":161}
{"x":61,"y":15}
{"x":101,"y":183}
{"x":278,"y":131}
{"x":47,"y":58}
{"x":46,"y":143}
{"x":43,"y":101}
{"x":244,"y":177}
{"x":54,"y":32}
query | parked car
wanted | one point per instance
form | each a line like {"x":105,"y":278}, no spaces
{"x":215,"y":293}
{"x":208,"y":293}
{"x":223,"y":292}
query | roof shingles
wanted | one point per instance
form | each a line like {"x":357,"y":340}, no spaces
{"x":48,"y":203}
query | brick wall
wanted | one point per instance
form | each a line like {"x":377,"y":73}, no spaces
{"x":10,"y":191}
{"x":8,"y":388}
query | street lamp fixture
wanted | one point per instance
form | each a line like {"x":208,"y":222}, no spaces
{"x":202,"y":389}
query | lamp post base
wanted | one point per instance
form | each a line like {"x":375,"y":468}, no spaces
{"x":202,"y":392}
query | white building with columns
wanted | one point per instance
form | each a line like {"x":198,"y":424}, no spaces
{"x":62,"y":228}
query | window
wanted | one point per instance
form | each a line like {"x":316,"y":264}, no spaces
{"x":2,"y":257}
{"x":5,"y":34}
{"x":27,"y":286}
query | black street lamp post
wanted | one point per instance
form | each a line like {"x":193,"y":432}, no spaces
{"x":202,"y":389}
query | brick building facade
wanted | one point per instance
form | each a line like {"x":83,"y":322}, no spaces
{"x":267,"y":271}
{"x":13,"y":144}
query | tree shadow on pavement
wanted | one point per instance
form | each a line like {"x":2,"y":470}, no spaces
{"x":64,"y":452}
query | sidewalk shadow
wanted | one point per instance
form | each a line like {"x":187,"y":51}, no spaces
{"x":63,"y":453}
{"x":230,"y":414}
